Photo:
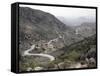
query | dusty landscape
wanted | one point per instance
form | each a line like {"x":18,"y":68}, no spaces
{"x":48,"y":43}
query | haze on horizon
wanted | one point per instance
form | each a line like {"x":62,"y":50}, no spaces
{"x":67,"y":13}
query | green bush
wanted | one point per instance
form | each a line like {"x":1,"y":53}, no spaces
{"x":73,"y":56}
{"x":24,"y":66}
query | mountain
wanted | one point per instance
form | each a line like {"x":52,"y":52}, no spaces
{"x":82,"y":46}
{"x":86,"y":29}
{"x":39,"y":27}
{"x":83,"y":51}
{"x":36,"y":26}
{"x":77,"y":20}
{"x":37,"y":20}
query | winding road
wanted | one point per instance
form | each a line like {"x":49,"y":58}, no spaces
{"x":26,"y":53}
{"x":52,"y":58}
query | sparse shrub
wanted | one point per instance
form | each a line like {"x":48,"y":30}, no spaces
{"x":73,"y":56}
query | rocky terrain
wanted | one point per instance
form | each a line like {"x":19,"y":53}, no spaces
{"x":46,"y":43}
{"x":86,"y":29}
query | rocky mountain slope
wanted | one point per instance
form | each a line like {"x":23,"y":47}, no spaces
{"x":86,"y":29}
{"x":36,"y":26}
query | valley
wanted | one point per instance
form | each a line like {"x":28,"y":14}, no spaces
{"x":46,"y":43}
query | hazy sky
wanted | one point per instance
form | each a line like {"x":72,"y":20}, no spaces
{"x":65,"y":11}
